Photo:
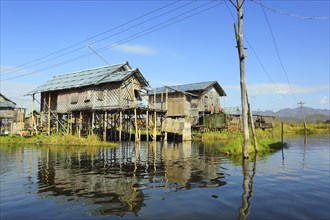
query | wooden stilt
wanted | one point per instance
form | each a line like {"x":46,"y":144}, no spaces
{"x":166,"y":106}
{"x":57,"y":124}
{"x":147,"y":125}
{"x":155,"y":117}
{"x":32,"y":116}
{"x":120,"y":124}
{"x":68,"y":128}
{"x":93,"y":121}
{"x":105,"y":126}
{"x":49,"y":114}
{"x":80,"y":124}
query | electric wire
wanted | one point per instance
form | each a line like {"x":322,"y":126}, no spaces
{"x":290,"y":14}
{"x":127,"y":39}
{"x":88,"y":39}
{"x":278,"y":54}
{"x":258,"y":58}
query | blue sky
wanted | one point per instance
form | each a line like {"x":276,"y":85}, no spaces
{"x":197,"y":45}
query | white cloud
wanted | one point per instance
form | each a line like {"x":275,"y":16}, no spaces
{"x":279,"y":88}
{"x":136,"y":49}
{"x":324,"y":100}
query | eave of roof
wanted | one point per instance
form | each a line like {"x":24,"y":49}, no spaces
{"x":201,"y":86}
{"x":90,"y":77}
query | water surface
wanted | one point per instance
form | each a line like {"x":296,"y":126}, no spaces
{"x":164,"y":181}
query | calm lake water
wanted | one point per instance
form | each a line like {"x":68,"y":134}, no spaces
{"x":165,"y":181}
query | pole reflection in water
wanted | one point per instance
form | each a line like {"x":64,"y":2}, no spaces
{"x":248,"y":188}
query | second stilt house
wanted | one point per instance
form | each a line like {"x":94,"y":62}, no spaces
{"x":188,"y":105}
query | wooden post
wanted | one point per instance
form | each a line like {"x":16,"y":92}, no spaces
{"x":80,"y":124}
{"x":166,"y":106}
{"x":49,"y":114}
{"x":68,"y":129}
{"x":155,"y":117}
{"x":93,"y":121}
{"x":282,"y":133}
{"x":71,"y":116}
{"x":120,"y":124}
{"x":147,"y":125}
{"x":240,"y":48}
{"x":32,"y":115}
{"x":105,"y":126}
{"x":57,"y":124}
{"x":273,"y":127}
{"x":161,"y":101}
{"x":135,"y":116}
{"x":252,"y":124}
{"x":301,"y":103}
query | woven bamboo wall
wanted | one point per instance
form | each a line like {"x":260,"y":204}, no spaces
{"x":100,"y":97}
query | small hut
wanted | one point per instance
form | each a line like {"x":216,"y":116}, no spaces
{"x":7,"y":112}
{"x":188,"y":105}
{"x":189,"y":100}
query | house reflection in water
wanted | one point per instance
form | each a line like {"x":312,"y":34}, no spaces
{"x":118,"y":180}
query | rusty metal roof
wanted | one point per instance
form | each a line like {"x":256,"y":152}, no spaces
{"x":201,"y":86}
{"x":107,"y":74}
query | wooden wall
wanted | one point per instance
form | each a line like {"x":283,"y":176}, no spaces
{"x":100,"y":97}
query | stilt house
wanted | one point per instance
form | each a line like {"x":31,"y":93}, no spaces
{"x":7,"y":111}
{"x":187,"y":105}
{"x":189,"y":99}
{"x":90,"y":95}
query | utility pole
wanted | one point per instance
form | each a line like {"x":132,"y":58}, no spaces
{"x":301,"y":103}
{"x":240,"y":48}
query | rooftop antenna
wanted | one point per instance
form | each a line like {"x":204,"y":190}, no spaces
{"x":90,"y":47}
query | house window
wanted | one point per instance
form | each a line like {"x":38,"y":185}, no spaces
{"x":88,"y":96}
{"x":74,"y":98}
{"x":100,"y":95}
{"x":137,"y":95}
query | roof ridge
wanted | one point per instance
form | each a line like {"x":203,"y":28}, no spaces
{"x":85,"y":70}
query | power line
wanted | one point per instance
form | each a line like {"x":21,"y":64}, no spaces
{"x":258,"y":58}
{"x":289,"y":14}
{"x":90,"y":38}
{"x":132,"y":37}
{"x":278,"y":53}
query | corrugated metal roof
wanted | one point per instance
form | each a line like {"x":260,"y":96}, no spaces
{"x":6,"y":103}
{"x":95,"y":76}
{"x":201,"y":86}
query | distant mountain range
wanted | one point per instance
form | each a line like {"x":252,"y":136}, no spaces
{"x":295,"y":114}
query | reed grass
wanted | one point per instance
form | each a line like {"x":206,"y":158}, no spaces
{"x":65,"y":140}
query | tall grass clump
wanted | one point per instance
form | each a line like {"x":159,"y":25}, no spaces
{"x":65,"y":140}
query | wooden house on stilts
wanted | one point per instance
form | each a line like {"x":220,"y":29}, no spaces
{"x":105,"y":100}
{"x":190,"y":105}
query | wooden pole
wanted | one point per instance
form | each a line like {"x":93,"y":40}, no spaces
{"x":155,"y":117}
{"x":32,"y":115}
{"x":93,"y":121}
{"x":80,"y":124}
{"x":301,"y":103}
{"x":282,"y":132}
{"x":105,"y":126}
{"x":240,"y":47}
{"x":147,"y":125}
{"x":49,"y":114}
{"x":252,"y":124}
{"x":166,"y":106}
{"x":135,"y":116}
{"x":120,"y":124}
{"x":57,"y":124}
{"x":68,"y":129}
